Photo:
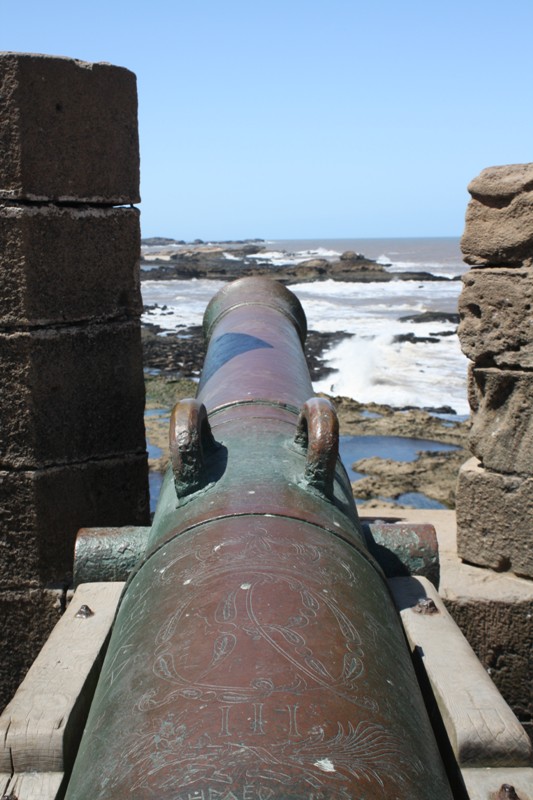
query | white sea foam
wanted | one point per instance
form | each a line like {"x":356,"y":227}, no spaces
{"x":435,"y":267}
{"x":407,"y":266}
{"x":399,"y":374}
{"x":178,"y":303}
{"x":288,"y":258}
{"x":369,"y":366}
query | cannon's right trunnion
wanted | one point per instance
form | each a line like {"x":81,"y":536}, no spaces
{"x":257,"y":653}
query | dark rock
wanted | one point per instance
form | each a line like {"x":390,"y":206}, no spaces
{"x":351,"y":255}
{"x":430,"y":409}
{"x":210,"y":262}
{"x":246,"y":250}
{"x":317,"y":263}
{"x":156,"y":241}
{"x":410,"y":337}
{"x":432,"y":316}
{"x":361,"y":264}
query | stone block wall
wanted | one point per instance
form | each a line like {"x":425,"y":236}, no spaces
{"x":494,"y":500}
{"x":72,"y":445}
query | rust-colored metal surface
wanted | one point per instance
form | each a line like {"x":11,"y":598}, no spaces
{"x":404,"y":549}
{"x":107,"y":554}
{"x":256,"y":653}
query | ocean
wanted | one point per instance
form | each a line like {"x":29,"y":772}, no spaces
{"x":369,"y":366}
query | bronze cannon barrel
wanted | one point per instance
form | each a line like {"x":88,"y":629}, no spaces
{"x":256,"y":652}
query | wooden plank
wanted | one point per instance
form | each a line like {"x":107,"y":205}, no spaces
{"x":5,"y":778}
{"x":485,"y":784}
{"x":35,"y":785}
{"x":41,"y":727}
{"x":482,"y":729}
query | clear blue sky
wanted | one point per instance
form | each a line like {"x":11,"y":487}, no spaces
{"x":306,"y":118}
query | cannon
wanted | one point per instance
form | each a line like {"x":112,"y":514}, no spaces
{"x":256,"y":652}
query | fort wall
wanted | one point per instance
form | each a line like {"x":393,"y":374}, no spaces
{"x":72,"y":444}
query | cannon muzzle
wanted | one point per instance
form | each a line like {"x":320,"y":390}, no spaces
{"x":256,"y":652}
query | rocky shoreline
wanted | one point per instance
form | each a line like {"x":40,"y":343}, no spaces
{"x":433,"y":474}
{"x":227,"y":261}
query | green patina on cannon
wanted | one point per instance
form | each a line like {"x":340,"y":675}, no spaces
{"x":256,"y":652}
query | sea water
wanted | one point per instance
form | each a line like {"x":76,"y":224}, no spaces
{"x":368,"y":365}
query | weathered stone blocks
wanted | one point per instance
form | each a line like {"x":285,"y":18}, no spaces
{"x":496,"y":325}
{"x":68,"y":130}
{"x":495,"y":519}
{"x":42,"y":510}
{"x":72,"y":447}
{"x":499,"y":218}
{"x":62,"y":265}
{"x":500,"y":632}
{"x":71,"y":394}
{"x":501,"y":435}
{"x":496,"y":333}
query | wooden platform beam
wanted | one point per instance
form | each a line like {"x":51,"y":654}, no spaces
{"x":41,"y":727}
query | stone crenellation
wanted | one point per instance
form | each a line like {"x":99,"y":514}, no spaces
{"x":494,"y":501}
{"x":72,"y":443}
{"x":494,"y":497}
